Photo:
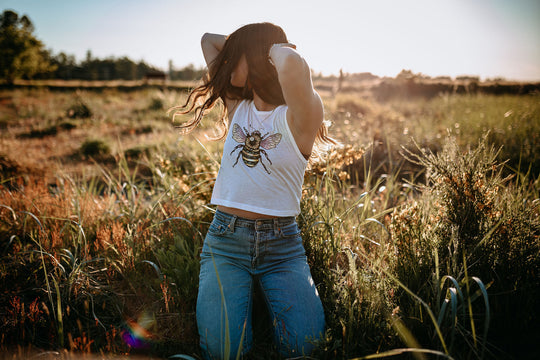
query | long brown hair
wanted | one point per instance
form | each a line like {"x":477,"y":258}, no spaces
{"x":253,"y":41}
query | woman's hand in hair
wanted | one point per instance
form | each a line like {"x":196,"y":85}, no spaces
{"x":305,"y":114}
{"x":211,"y":45}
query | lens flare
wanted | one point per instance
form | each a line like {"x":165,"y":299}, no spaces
{"x":137,"y":334}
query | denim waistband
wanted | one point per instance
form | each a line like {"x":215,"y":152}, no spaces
{"x":257,"y":224}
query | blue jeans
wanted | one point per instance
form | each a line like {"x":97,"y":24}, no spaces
{"x":237,"y":254}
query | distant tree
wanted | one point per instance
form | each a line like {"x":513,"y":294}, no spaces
{"x":22,"y":55}
{"x":65,"y":66}
{"x":171,"y":69}
{"x":443,"y":78}
{"x":89,"y":55}
{"x":468,"y":78}
{"x":125,"y":69}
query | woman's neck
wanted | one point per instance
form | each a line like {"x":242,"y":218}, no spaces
{"x":261,"y":105}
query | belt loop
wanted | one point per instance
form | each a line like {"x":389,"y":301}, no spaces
{"x":231,"y":224}
{"x":277,"y":230}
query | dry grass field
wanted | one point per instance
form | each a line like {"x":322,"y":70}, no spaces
{"x":422,"y":228}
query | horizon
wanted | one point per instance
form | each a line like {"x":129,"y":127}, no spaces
{"x":485,"y":39}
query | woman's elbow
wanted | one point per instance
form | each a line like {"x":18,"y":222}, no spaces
{"x":294,"y":61}
{"x":205,"y":38}
{"x":294,"y":65}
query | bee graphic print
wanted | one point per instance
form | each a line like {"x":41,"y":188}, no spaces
{"x":252,"y":145}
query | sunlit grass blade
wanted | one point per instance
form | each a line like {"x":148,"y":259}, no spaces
{"x":379,"y":223}
{"x":42,"y":252}
{"x":59,"y":316}
{"x":353,"y":206}
{"x":155,"y":267}
{"x":419,"y":300}
{"x":216,"y":162}
{"x":488,"y":312}
{"x":79,"y":234}
{"x":226,"y":337}
{"x":14,"y":215}
{"x":46,"y":276}
{"x":469,"y":301}
{"x":181,"y":356}
{"x":11,"y":239}
{"x":397,"y":352}
{"x":442,"y":311}
{"x":35,"y":218}
{"x":406,"y":336}
{"x":456,"y":288}
{"x":239,"y":352}
{"x":363,"y":237}
{"x":454,"y":281}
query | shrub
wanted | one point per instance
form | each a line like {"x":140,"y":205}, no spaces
{"x":79,"y":110}
{"x":138,"y":151}
{"x":67,"y":125}
{"x":51,"y":130}
{"x":156,"y":104}
{"x":92,"y":148}
{"x":467,"y":226}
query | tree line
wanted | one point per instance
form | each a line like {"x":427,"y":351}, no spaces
{"x":23,"y":56}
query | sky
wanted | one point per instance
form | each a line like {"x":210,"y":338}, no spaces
{"x":486,"y":38}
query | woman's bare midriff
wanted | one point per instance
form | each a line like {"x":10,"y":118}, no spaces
{"x":244,"y":213}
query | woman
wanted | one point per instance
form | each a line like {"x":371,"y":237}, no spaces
{"x":271,"y":118}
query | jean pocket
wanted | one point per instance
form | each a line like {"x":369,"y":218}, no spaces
{"x":216,"y":228}
{"x":290,"y":230}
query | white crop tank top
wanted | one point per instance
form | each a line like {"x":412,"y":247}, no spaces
{"x":262,"y":169}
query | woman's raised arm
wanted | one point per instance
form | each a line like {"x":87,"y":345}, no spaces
{"x":305,"y":114}
{"x":211,"y":45}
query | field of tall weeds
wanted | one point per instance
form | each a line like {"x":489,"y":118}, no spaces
{"x":421,"y":229}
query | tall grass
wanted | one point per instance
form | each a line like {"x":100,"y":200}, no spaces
{"x":435,"y":255}
{"x":459,"y":231}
